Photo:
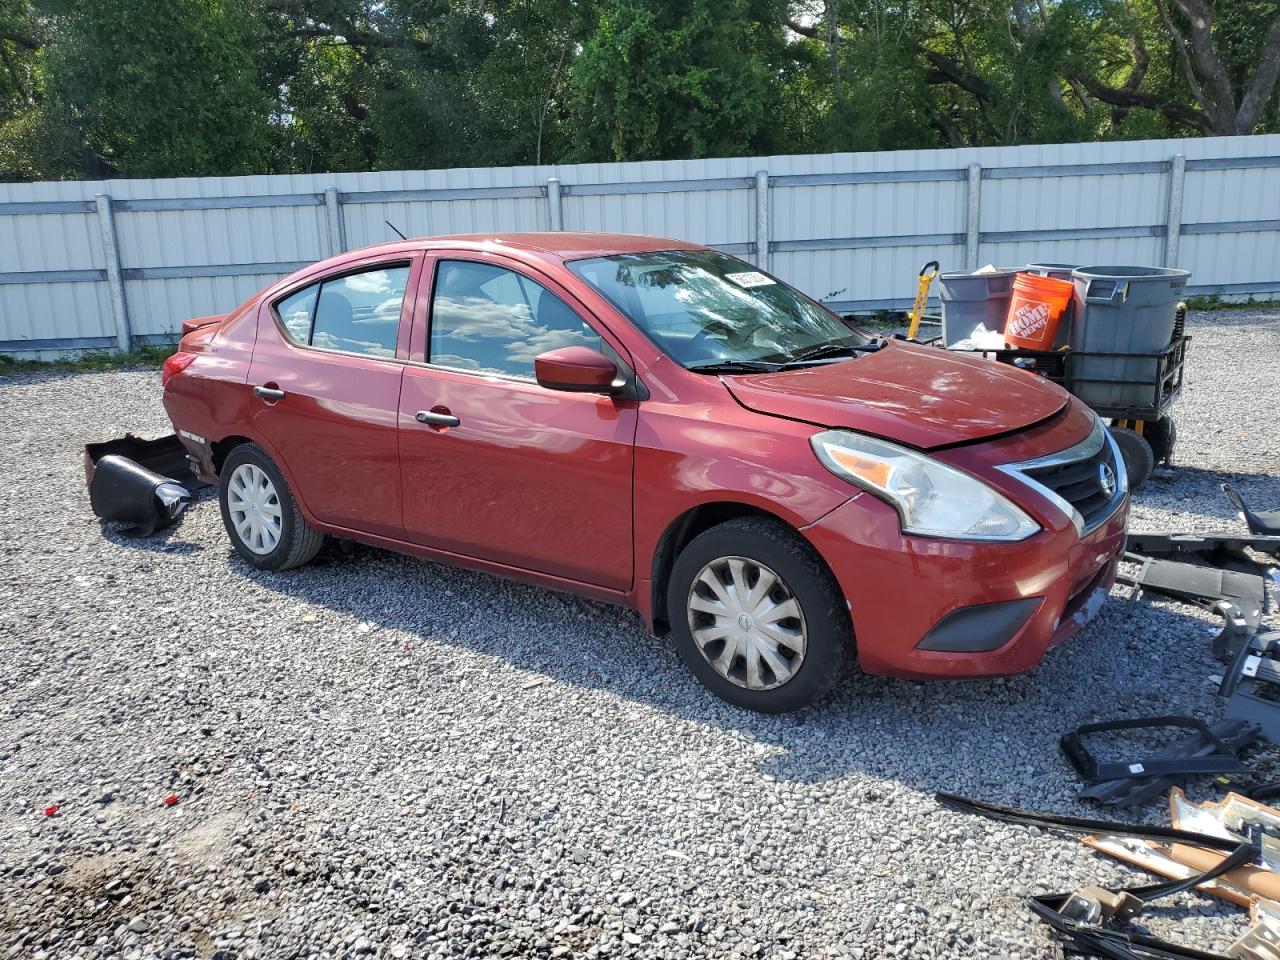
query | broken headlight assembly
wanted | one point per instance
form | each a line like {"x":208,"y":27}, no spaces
{"x":932,"y":499}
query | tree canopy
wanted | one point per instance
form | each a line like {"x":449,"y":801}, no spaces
{"x":103,"y":88}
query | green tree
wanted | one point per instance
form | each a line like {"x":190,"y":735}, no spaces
{"x":660,"y":79}
{"x":100,"y":88}
{"x":148,"y":88}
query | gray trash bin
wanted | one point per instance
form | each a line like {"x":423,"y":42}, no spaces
{"x":969,"y":299}
{"x":1059,"y":271}
{"x":1122,"y":310}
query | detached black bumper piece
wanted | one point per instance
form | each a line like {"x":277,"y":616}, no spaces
{"x":145,"y":484}
{"x":1209,"y":750}
{"x":1265,"y":522}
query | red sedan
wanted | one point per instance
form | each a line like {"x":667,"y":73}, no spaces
{"x":657,"y":424}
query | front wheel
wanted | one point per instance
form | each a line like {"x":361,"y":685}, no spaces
{"x":262,"y":518}
{"x":757,"y":617}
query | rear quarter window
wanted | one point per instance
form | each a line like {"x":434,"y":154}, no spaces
{"x":295,"y":312}
{"x":354,"y":313}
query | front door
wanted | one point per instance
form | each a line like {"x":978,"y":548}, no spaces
{"x":527,"y":477}
{"x":327,"y":375}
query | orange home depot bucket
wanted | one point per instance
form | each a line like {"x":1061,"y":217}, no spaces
{"x":1035,"y":310}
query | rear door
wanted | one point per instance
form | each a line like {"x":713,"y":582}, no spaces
{"x":528,"y":477}
{"x":326,"y":377}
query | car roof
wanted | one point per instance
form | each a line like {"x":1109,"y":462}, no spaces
{"x":562,"y":245}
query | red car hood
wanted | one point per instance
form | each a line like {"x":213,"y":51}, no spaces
{"x":922,"y":396}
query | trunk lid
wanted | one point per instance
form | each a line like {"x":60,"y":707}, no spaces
{"x":921,"y":396}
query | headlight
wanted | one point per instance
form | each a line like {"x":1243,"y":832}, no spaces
{"x":932,"y":499}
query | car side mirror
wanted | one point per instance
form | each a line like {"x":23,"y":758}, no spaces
{"x":576,"y":370}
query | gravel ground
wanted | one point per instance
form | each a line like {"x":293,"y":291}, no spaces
{"x":378,"y":756}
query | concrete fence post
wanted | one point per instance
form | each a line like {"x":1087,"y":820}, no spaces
{"x":764,"y":257}
{"x":1173,"y":216}
{"x":555,"y":213}
{"x":973,"y":217}
{"x":115,"y":276}
{"x":333,"y":220}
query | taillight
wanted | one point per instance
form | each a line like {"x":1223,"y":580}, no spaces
{"x":175,"y":364}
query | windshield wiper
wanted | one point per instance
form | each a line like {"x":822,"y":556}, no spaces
{"x":733,"y":366}
{"x":832,"y":350}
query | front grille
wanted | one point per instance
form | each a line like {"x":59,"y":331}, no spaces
{"x":1087,"y":481}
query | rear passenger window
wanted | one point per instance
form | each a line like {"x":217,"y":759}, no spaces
{"x":491,"y":320}
{"x":356,"y":313}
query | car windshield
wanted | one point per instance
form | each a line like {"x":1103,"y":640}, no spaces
{"x":703,"y":307}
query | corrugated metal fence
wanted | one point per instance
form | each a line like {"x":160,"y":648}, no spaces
{"x":113,"y":263}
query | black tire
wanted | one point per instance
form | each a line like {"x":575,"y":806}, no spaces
{"x":829,"y":633}
{"x":1161,"y":435}
{"x":298,"y":542}
{"x":1139,"y":460}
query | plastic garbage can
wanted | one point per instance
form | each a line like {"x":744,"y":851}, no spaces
{"x":1059,"y":271}
{"x":970,"y":299}
{"x":1122,"y":310}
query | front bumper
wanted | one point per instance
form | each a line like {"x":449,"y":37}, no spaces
{"x":899,"y":588}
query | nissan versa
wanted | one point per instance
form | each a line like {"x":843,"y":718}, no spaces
{"x":657,"y":424}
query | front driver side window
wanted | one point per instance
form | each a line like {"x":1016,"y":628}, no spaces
{"x":491,"y":320}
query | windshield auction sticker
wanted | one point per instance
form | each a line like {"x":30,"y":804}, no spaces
{"x":749,"y":279}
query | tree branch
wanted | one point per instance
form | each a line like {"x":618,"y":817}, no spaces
{"x":357,"y":38}
{"x":1141,"y":63}
{"x":1024,"y":19}
{"x":28,"y":43}
{"x":1263,"y":83}
{"x":1119,"y":97}
{"x":947,"y":70}
{"x":813,"y":33}
{"x":944,"y":123}
{"x":1184,"y":56}
{"x":1221,"y":103}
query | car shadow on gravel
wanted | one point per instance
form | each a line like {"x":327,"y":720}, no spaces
{"x":166,"y":540}
{"x":994,"y":737}
{"x":1264,"y":486}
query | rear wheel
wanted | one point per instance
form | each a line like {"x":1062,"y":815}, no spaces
{"x":1139,"y":460}
{"x":262,"y":518}
{"x":757,"y":617}
{"x":1162,"y":435}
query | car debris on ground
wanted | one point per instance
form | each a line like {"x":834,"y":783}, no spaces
{"x":143,"y":485}
{"x":1229,"y":849}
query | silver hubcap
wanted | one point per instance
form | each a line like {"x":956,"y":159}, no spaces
{"x":747,"y":623}
{"x":254,"y":506}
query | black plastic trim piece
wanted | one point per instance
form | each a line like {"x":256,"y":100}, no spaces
{"x":979,"y":628}
{"x":1222,"y":758}
{"x":1166,"y":543}
{"x":1236,"y":734}
{"x":1048,"y":821}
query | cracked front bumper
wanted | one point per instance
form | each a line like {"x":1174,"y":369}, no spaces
{"x":1013,"y":601}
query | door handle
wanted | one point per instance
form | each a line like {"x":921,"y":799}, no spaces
{"x":268,"y":393}
{"x":436,"y":419}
